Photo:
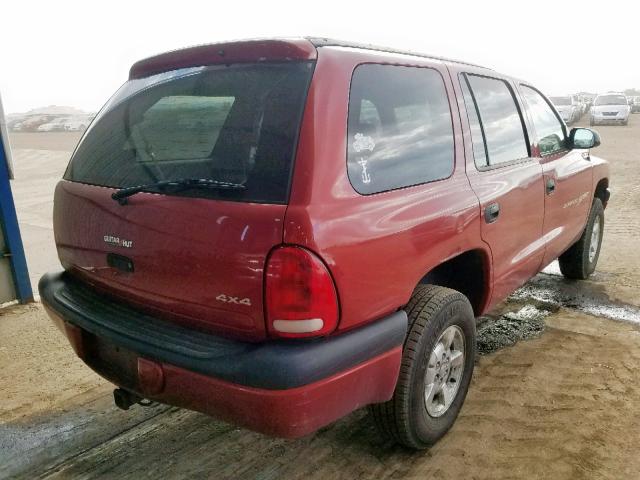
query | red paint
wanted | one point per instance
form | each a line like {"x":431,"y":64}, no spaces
{"x":186,"y":253}
{"x":221,"y":53}
{"x":377,"y":248}
{"x":285,"y":413}
{"x":150,"y":377}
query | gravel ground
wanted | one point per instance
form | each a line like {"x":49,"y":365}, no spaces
{"x":555,"y":393}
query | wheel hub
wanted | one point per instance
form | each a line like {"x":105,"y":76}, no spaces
{"x":444,"y":371}
{"x":595,"y":240}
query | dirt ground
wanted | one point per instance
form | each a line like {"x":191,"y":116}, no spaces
{"x":562,"y":402}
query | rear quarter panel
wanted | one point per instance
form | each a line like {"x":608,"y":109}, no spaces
{"x":379,"y":246}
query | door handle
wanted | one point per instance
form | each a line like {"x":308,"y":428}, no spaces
{"x":491,"y":212}
{"x":550,"y":186}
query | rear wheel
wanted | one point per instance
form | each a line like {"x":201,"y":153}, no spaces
{"x":582,"y":257}
{"x":437,"y":365}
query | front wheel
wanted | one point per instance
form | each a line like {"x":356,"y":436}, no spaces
{"x":582,"y":257}
{"x":437,"y":365}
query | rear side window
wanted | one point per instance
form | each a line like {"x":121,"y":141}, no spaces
{"x":500,"y":119}
{"x":399,"y":130}
{"x":550,"y":130}
{"x":479,"y":148}
{"x":234,"y":123}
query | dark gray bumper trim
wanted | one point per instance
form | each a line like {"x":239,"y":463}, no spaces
{"x":272,"y":365}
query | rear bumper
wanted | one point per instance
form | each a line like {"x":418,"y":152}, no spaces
{"x":283,"y":388}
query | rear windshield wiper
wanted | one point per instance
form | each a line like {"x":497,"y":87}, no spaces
{"x":175,"y":186}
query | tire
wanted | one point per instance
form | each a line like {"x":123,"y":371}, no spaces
{"x":591,"y":123}
{"x":580,"y":260}
{"x":408,"y":418}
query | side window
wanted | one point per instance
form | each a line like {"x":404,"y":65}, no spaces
{"x":399,"y":128}
{"x":500,"y":119}
{"x":479,"y":148}
{"x":550,"y":130}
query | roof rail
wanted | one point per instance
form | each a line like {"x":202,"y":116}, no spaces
{"x":330,"y":42}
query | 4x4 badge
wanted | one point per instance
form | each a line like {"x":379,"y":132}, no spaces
{"x":229,"y":299}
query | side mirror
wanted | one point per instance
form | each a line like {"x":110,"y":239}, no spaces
{"x":583,"y":138}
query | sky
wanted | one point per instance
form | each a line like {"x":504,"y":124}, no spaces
{"x":77,"y":54}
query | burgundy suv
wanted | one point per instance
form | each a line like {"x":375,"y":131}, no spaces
{"x":279,"y":232}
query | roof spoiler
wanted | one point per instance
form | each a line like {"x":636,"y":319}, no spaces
{"x":225,"y":53}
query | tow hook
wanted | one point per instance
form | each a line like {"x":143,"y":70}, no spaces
{"x":124,"y":399}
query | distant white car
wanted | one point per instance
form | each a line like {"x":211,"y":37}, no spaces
{"x":568,"y":107}
{"x":76,"y":125}
{"x":65,"y":125}
{"x":57,"y":125}
{"x":610,"y":108}
{"x":50,"y":127}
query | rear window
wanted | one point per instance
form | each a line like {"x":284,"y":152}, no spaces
{"x":399,"y":130}
{"x":232,"y":123}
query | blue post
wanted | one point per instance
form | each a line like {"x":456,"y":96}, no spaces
{"x":11,"y":230}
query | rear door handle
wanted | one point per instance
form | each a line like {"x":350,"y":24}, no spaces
{"x":550,"y":186}
{"x":491,"y":212}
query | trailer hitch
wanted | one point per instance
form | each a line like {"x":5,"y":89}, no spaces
{"x":124,"y":399}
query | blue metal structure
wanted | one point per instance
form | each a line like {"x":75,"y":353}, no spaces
{"x":11,"y":232}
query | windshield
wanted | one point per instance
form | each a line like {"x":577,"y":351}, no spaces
{"x":560,"y":100}
{"x":228,"y":123}
{"x":611,"y":100}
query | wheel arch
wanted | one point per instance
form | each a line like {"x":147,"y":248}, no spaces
{"x":602,"y":191}
{"x":469,"y":273}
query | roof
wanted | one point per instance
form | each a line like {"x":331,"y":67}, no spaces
{"x":256,"y":50}
{"x":330,"y":42}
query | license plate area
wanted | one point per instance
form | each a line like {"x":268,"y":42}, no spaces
{"x":111,"y":361}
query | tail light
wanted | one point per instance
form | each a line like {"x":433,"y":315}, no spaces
{"x":300,"y":296}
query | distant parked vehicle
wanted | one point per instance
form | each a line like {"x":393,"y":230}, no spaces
{"x":31,"y":123}
{"x":76,"y":125}
{"x":588,"y":99}
{"x":610,"y":108}
{"x":568,"y":107}
{"x":57,"y":125}
{"x":66,"y":124}
{"x":584,"y":106}
{"x":635,"y":106}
